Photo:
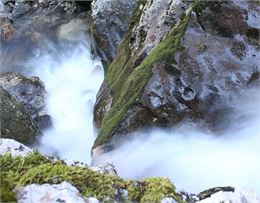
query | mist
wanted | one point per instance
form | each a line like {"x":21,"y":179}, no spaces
{"x":195,"y":160}
{"x":72,"y":81}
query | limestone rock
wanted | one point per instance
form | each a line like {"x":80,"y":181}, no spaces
{"x":13,"y":147}
{"x":51,"y":193}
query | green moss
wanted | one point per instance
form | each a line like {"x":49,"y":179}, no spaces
{"x":127,"y":82}
{"x":6,"y":193}
{"x":157,"y":188}
{"x":135,"y":190}
{"x":37,"y":169}
{"x":105,"y":65}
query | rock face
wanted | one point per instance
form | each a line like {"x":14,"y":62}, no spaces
{"x":110,"y":22}
{"x":31,"y":92}
{"x":16,"y":123}
{"x":203,"y":54}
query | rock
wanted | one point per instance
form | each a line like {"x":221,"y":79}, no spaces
{"x":190,"y":71}
{"x":110,"y":22}
{"x":51,"y":193}
{"x":18,"y":8}
{"x":107,"y":169}
{"x":31,"y":92}
{"x":207,"y":193}
{"x":51,"y":180}
{"x":238,"y":196}
{"x":16,"y":123}
{"x":6,"y":29}
{"x":188,"y":197}
{"x":168,"y":200}
{"x":13,"y":147}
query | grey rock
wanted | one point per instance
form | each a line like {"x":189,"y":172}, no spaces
{"x":31,"y":92}
{"x":207,"y":193}
{"x":111,"y":20}
{"x":15,"y":122}
{"x":216,"y":59}
{"x":238,"y":196}
{"x":13,"y":147}
{"x":6,"y":28}
{"x":106,"y":169}
{"x":51,"y":193}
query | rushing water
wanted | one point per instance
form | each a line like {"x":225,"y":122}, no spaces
{"x":193,"y":159}
{"x":72,"y":80}
{"x":197,"y":160}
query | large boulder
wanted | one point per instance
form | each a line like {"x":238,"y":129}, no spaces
{"x":206,"y":52}
{"x":31,"y":92}
{"x":16,"y":122}
{"x":110,"y":21}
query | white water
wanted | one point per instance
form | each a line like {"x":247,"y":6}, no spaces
{"x":72,"y":79}
{"x":196,"y":160}
{"x":193,"y":159}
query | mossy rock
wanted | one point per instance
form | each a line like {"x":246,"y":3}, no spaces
{"x":37,"y":169}
{"x":127,"y":79}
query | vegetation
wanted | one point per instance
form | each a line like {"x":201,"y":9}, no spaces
{"x":127,"y":82}
{"x":35,"y":168}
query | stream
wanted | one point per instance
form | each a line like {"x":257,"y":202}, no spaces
{"x":193,"y":159}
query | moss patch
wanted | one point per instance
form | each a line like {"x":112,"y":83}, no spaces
{"x":6,"y":193}
{"x":35,"y":168}
{"x":105,"y":65}
{"x":127,"y":82}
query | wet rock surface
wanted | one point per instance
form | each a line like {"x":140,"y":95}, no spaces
{"x":31,"y":28}
{"x":238,"y":195}
{"x":30,"y":92}
{"x":207,"y":193}
{"x":215,"y":57}
{"x":111,"y":19}
{"x":18,"y":8}
{"x":6,"y":28}
{"x":16,"y":122}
